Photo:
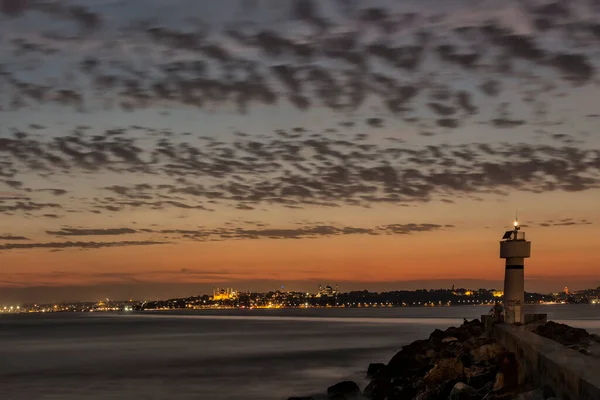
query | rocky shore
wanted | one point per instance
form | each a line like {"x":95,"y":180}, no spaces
{"x":574,"y":338}
{"x":459,"y":363}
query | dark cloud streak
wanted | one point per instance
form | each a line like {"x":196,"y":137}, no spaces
{"x":75,"y":245}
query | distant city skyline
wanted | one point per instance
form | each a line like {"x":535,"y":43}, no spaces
{"x":158,"y":291}
{"x":162,"y":148}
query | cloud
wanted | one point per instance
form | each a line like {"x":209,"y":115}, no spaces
{"x":56,"y":192}
{"x":250,"y":65}
{"x":12,"y":237}
{"x":75,"y":245}
{"x":444,"y":74}
{"x":53,"y":216}
{"x":91,"y":232}
{"x":411,"y":228}
{"x":305,"y":232}
{"x":26,"y":206}
{"x":564,"y":222}
{"x":375,"y":122}
{"x":305,"y":171}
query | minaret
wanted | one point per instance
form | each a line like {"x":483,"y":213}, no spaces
{"x":515,"y":249}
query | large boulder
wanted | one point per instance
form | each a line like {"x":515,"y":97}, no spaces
{"x":462,"y":391}
{"x":478,"y":377}
{"x":437,"y":392}
{"x":411,"y":360}
{"x":449,"y":339}
{"x":437,"y":336}
{"x":406,"y":392}
{"x":487,"y":352}
{"x":466,"y":358}
{"x":443,"y":370}
{"x":376,"y":369}
{"x":416,"y":347}
{"x":564,"y":334}
{"x":460,"y":333}
{"x":474,"y":327}
{"x":346,"y":389}
{"x":379,"y":389}
{"x":477,"y":341}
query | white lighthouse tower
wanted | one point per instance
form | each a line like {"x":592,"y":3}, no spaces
{"x":515,"y":249}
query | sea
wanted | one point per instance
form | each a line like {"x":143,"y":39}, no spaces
{"x":229,"y":354}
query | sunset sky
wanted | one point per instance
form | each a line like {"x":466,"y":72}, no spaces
{"x":158,"y":148}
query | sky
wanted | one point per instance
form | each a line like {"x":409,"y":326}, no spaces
{"x":160,"y":148}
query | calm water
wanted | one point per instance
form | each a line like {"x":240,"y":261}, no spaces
{"x":258,"y":354}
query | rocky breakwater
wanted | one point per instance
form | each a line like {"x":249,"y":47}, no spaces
{"x":574,"y":338}
{"x":458,"y":363}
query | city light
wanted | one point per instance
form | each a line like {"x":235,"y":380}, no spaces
{"x":324,"y":297}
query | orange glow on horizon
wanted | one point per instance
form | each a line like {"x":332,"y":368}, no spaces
{"x":428,"y":256}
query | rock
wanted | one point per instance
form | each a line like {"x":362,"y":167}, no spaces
{"x":402,"y":393}
{"x":462,"y":391}
{"x":487,"y":352}
{"x":479,"y":377}
{"x":466,"y":359}
{"x":499,"y":382}
{"x":475,"y":342}
{"x":443,"y":370}
{"x":564,"y":334}
{"x":547,"y":392}
{"x":441,"y":391}
{"x":416,"y":347}
{"x":437,"y":336}
{"x":461,"y":333}
{"x":338,"y":397}
{"x":530,"y":395}
{"x":486,"y":389}
{"x":474,"y":327}
{"x":595,"y":338}
{"x":375,"y":369}
{"x":449,"y":339}
{"x":500,"y":396}
{"x":473,"y":323}
{"x":411,"y":360}
{"x":585,"y":351}
{"x":379,"y":389}
{"x":430,"y":353}
{"x":347,"y":389}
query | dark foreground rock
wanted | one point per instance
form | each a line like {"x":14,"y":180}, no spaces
{"x":462,"y":391}
{"x":459,"y":362}
{"x":346,"y":390}
{"x":376,"y":369}
{"x":574,"y":338}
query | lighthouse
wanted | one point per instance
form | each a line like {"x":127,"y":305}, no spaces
{"x":514,"y":249}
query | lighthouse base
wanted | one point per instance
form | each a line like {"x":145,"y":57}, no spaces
{"x":514,"y":314}
{"x":514,"y":293}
